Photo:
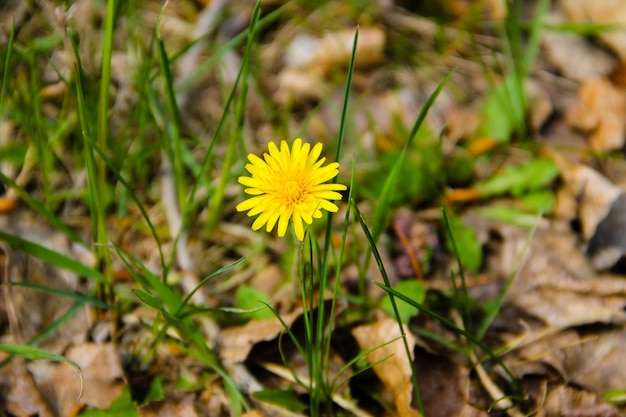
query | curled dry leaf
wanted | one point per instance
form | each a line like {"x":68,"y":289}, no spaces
{"x":601,"y":110}
{"x":395,"y":369}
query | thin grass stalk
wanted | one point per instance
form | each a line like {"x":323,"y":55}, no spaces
{"x":47,"y":331}
{"x":215,"y":58}
{"x":44,"y":153}
{"x":489,"y":352}
{"x":463,"y":298}
{"x":383,"y":272}
{"x":322,"y":339}
{"x":491,"y":314}
{"x":174,"y":149}
{"x":333,"y":303}
{"x":134,"y":197}
{"x":98,"y":186}
{"x":215,"y":204}
{"x":93,"y":193}
{"x":5,"y":76}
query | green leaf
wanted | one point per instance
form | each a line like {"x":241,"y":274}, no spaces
{"x":391,"y":181}
{"x":155,"y":392}
{"x":519,"y":179}
{"x":123,"y":406}
{"x":30,"y":352}
{"x":470,"y":249}
{"x":67,"y":294}
{"x":542,"y":201}
{"x":286,"y":398}
{"x":14,"y":153}
{"x":510,"y":215}
{"x":52,"y":257}
{"x":148,"y":299}
{"x":503,"y":110}
{"x":249,"y":298}
{"x":414,"y":290}
{"x":615,"y":396}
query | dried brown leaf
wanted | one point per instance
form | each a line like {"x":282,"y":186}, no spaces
{"x":102,"y":372}
{"x":594,"y":192}
{"x":21,"y":396}
{"x":601,"y":110}
{"x":395,"y":370}
{"x":179,"y":404}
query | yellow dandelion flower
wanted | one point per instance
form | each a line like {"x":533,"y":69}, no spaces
{"x":289,"y":184}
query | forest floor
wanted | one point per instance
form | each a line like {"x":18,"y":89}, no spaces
{"x":474,"y":265}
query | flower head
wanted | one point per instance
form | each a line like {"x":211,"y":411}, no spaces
{"x":289,"y":184}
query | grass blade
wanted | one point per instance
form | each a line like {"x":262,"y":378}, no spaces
{"x":383,"y":272}
{"x":455,"y":329}
{"x":174,"y":149}
{"x":216,"y":201}
{"x":7,"y":64}
{"x":34,"y":353}
{"x":83,"y":299}
{"x":384,"y":202}
{"x":52,"y":257}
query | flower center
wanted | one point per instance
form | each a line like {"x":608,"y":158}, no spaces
{"x":292,"y":192}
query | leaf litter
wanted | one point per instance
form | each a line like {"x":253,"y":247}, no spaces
{"x":553,"y":298}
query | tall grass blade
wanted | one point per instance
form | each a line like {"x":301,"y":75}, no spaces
{"x":174,"y":147}
{"x":384,"y":202}
{"x":34,"y":353}
{"x":217,"y":197}
{"x":463,"y":298}
{"x":216,"y":57}
{"x":82,"y":299}
{"x":494,"y":308}
{"x":7,"y":65}
{"x":134,"y":197}
{"x":456,"y":330}
{"x":48,"y":330}
{"x":381,"y":267}
{"x":52,"y":257}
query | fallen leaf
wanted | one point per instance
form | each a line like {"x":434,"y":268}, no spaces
{"x":569,"y":401}
{"x":395,"y":369}
{"x":102,"y":372}
{"x":180,"y":404}
{"x":21,"y":396}
{"x":601,"y":110}
{"x":443,"y":386}
{"x":556,"y":283}
{"x":594,"y":192}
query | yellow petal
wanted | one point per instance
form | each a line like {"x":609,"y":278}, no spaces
{"x":298,"y":227}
